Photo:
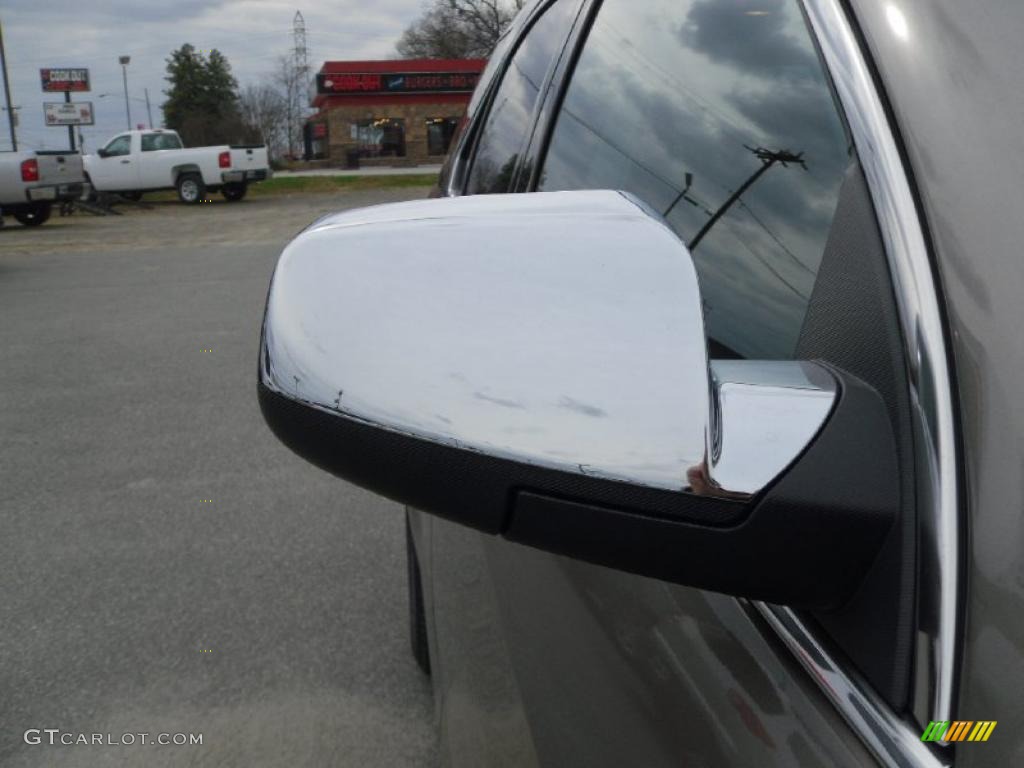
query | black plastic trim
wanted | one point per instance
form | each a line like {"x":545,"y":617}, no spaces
{"x":806,"y":542}
{"x":456,"y":483}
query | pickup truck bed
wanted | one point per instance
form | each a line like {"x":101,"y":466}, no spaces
{"x":30,"y":182}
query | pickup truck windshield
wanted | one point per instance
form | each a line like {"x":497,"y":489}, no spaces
{"x":154,"y":141}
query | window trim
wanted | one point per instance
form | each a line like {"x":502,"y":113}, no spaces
{"x":455,"y":173}
{"x":894,"y":739}
{"x":536,"y":151}
{"x":461,"y":174}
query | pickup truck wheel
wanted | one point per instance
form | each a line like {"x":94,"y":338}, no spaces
{"x":234,"y":192}
{"x":33,"y":215}
{"x":191,"y":189}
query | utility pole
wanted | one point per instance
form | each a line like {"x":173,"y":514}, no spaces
{"x":71,"y":128}
{"x":768,"y":158}
{"x":149,"y":112}
{"x":688,"y":178}
{"x":125,"y":61}
{"x":7,"y":92}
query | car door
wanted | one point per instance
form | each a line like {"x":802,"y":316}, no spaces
{"x":157,"y":156}
{"x":724,"y":118}
{"x":114,"y":170}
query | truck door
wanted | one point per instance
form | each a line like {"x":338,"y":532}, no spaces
{"x":114,"y":169}
{"x":158,"y":154}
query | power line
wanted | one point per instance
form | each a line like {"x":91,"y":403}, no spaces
{"x":775,"y":237}
{"x":768,"y":158}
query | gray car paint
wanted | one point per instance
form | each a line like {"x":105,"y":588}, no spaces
{"x":543,"y":660}
{"x":954,"y":83}
{"x":607,"y":668}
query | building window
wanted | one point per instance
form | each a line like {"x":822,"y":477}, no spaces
{"x":439,"y":134}
{"x":380,"y":137}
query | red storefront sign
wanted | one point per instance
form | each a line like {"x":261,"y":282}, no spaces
{"x":396,"y":82}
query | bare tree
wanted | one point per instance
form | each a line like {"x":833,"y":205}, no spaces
{"x":485,"y":19}
{"x":265,"y":114}
{"x":457,"y":29}
{"x":295,"y":91}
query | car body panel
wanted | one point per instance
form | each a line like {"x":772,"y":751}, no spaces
{"x":601,"y":668}
{"x":478,"y":703}
{"x":952,"y":73}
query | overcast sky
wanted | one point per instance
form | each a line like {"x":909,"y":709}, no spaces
{"x":93,"y":33}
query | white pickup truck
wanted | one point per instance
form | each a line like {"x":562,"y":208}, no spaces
{"x":136,"y":162}
{"x":31,"y":182}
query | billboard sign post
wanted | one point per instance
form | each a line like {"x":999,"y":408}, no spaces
{"x":61,"y":113}
{"x":66,"y":80}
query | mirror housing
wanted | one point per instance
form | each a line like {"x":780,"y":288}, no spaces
{"x":535,"y":366}
{"x":102,"y":152}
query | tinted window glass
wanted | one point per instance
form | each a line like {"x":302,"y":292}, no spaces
{"x":491,"y":70}
{"x":119,"y":146}
{"x":506,"y":127}
{"x":153,"y":142}
{"x":686,"y":103}
{"x":482,"y":85}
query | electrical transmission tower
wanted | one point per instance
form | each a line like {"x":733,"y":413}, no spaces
{"x":300,"y":54}
{"x":300,"y":66}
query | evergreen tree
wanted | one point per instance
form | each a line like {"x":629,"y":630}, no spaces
{"x":202,"y":101}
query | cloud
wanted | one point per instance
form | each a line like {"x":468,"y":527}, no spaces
{"x":752,"y":35}
{"x":582,"y":408}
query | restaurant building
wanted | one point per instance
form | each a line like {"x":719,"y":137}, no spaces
{"x":395,"y":112}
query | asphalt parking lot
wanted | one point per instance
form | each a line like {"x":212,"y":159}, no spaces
{"x":166,"y":565}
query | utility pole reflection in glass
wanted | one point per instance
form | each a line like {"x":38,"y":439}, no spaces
{"x":768,"y":158}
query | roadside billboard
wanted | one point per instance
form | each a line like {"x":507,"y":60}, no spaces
{"x":68,"y":113}
{"x":65,"y":79}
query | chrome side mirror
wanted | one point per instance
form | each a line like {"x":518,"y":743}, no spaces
{"x":535,"y":366}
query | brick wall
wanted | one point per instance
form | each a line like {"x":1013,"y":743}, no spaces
{"x":340,"y":119}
